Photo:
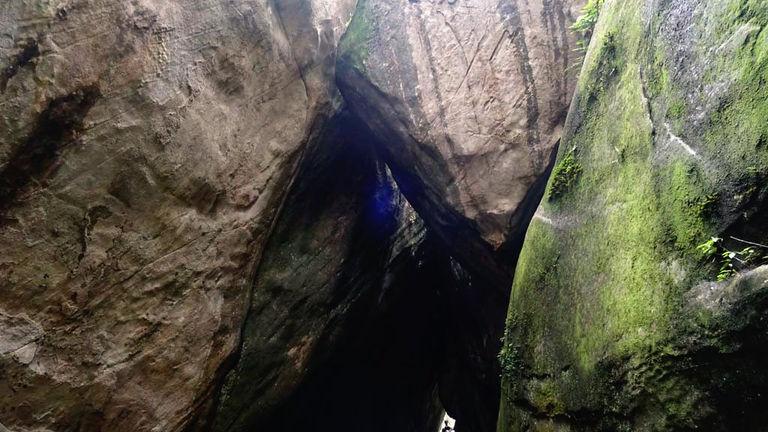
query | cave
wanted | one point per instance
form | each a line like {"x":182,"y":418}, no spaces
{"x":403,"y":331}
{"x":383,"y":215}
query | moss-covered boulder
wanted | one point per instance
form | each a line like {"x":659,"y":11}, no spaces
{"x":639,"y":301}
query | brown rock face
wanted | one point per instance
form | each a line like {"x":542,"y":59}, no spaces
{"x":198,"y":235}
{"x":146,"y":147}
{"x":470,"y":97}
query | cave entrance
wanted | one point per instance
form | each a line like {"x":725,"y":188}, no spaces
{"x":384,"y":330}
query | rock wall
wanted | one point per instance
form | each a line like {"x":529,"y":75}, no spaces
{"x":469,"y":98}
{"x":146,"y":148}
{"x":624,"y":314}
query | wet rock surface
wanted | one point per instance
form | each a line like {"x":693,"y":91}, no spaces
{"x":625,"y":313}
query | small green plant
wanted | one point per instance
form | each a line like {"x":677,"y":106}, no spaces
{"x":585,"y":23}
{"x":732,"y":261}
{"x":564,"y":175}
{"x":709,"y":247}
{"x":726,"y":269}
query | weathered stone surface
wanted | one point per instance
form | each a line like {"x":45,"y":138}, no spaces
{"x":146,"y":147}
{"x":469,"y":98}
{"x":615,"y":321}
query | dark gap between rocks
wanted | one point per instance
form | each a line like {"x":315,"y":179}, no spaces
{"x":360,"y":319}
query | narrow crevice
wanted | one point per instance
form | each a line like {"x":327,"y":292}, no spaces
{"x":521,"y":219}
{"x":359,"y":318}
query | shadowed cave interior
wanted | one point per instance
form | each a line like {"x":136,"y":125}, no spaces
{"x":408,"y":332}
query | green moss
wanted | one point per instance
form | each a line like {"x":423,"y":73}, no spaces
{"x":612,"y":249}
{"x":532,"y":268}
{"x":676,"y":110}
{"x":741,"y":121}
{"x":677,"y":113}
{"x":604,"y":68}
{"x":602,"y":279}
{"x":601,"y":276}
{"x":748,"y":10}
{"x":545,"y":398}
{"x":658,"y":75}
{"x":565,"y":173}
{"x":510,"y":360}
{"x":688,"y":203}
{"x":354,"y":45}
{"x":624,"y":293}
{"x":540,"y":269}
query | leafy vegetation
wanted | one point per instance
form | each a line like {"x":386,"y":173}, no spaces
{"x":733,"y":261}
{"x":585,"y":24}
